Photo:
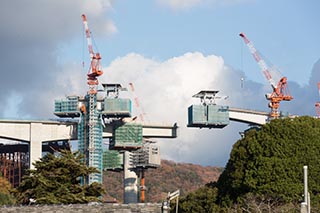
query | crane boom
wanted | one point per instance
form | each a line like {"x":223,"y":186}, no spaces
{"x":88,"y":36}
{"x":259,"y":60}
{"x":95,"y":69}
{"x":136,"y":101}
{"x":280,"y":90}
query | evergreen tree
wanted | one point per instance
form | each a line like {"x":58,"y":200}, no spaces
{"x":269,"y":163}
{"x":56,"y":180}
{"x":201,"y":200}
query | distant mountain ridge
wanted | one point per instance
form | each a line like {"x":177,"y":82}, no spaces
{"x":168,"y":178}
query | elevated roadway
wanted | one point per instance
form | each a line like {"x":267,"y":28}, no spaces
{"x":37,"y":132}
{"x":250,"y":117}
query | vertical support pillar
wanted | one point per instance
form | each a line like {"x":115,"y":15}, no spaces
{"x":130,"y":181}
{"x":35,"y":147}
{"x":142,"y":186}
{"x":305,"y":205}
{"x":305,"y":179}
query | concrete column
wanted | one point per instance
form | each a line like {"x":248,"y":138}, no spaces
{"x":35,"y":148}
{"x":130,"y":181}
{"x":305,"y":206}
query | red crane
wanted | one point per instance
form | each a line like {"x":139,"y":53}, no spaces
{"x":95,"y":69}
{"x":317,"y":105}
{"x":90,"y":124}
{"x":280,"y":90}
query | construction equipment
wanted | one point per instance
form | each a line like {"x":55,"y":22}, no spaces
{"x":90,"y":128}
{"x":95,"y":66}
{"x":137,"y":103}
{"x":280,"y":90}
{"x":317,"y":105}
{"x":208,"y":114}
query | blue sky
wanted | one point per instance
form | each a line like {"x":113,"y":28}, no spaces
{"x":286,"y":32}
{"x":170,"y":49}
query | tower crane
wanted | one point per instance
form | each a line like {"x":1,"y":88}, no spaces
{"x":280,"y":90}
{"x":91,"y":123}
{"x":317,"y":105}
{"x":95,"y":69}
{"x":137,"y":102}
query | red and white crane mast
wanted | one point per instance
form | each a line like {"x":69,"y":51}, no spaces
{"x":95,"y":69}
{"x":91,"y":118}
{"x":280,"y":90}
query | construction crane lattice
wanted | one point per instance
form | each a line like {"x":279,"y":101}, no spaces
{"x":280,"y":91}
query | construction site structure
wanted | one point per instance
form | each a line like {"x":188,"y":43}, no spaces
{"x":110,"y":117}
{"x":208,"y":114}
{"x":14,"y":161}
{"x":317,"y":105}
{"x":92,"y":111}
{"x":278,"y":83}
{"x":148,"y":157}
{"x":91,"y":125}
{"x":15,"y":158}
{"x":141,"y":113}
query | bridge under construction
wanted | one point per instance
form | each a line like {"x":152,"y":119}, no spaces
{"x":103,"y":115}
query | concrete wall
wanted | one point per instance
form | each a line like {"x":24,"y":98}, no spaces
{"x":84,"y":208}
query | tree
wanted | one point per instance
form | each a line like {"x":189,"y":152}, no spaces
{"x":56,"y":180}
{"x":269,"y":162}
{"x":201,"y":200}
{"x":5,"y":192}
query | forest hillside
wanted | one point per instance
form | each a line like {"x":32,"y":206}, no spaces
{"x":169,"y":177}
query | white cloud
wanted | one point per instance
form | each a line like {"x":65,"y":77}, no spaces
{"x":165,"y":91}
{"x":32,"y":78}
{"x":187,"y":4}
{"x":30,"y":36}
{"x":180,"y":4}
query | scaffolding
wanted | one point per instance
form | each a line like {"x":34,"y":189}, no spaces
{"x":68,"y":107}
{"x":127,"y":136}
{"x":90,"y":139}
{"x":146,"y":157}
{"x":14,"y":161}
{"x":91,"y":112}
{"x":112,"y":160}
{"x":117,"y":107}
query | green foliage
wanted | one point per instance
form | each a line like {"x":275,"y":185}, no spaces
{"x":201,"y":200}
{"x":56,"y":180}
{"x":6,"y":197}
{"x":269,"y":162}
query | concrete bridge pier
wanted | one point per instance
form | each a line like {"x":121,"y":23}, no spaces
{"x":35,"y":144}
{"x":130,"y":181}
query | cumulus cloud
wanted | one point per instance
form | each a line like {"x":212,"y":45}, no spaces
{"x":33,"y":76}
{"x":165,"y":90}
{"x":31,"y":34}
